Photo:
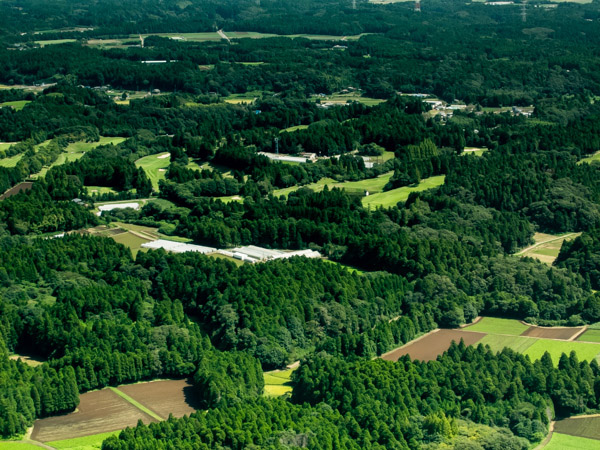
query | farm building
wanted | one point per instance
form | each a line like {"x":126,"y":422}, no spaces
{"x":103,"y":208}
{"x":252,"y":254}
{"x":286,"y":158}
{"x":178,"y":247}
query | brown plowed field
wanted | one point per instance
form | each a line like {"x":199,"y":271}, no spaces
{"x":434,"y":344}
{"x":25,"y":186}
{"x":177,"y":397}
{"x":551,"y":333}
{"x":98,"y":412}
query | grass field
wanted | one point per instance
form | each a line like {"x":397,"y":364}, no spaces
{"x":565,"y":442}
{"x":585,"y":351}
{"x":92,"y":442}
{"x":29,"y":360}
{"x":369,"y":184}
{"x":155,"y":167}
{"x":590,"y":336}
{"x":499,"y":342}
{"x":590,"y":159}
{"x":277,"y":382}
{"x":495,"y":325}
{"x":55,"y":42}
{"x":391,"y":198}
{"x":18,"y":445}
{"x":474,"y":151}
{"x":5,"y":145}
{"x":352,"y":96}
{"x":100,"y":190}
{"x":11,"y":162}
{"x":320,"y":37}
{"x":16,"y":105}
{"x":246,"y":97}
{"x":296,"y":128}
{"x":547,"y":246}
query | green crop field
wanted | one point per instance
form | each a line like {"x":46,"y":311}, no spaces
{"x":499,"y":342}
{"x":155,"y":167}
{"x":590,"y":336}
{"x":296,"y":128}
{"x":565,"y":442}
{"x":494,"y":325}
{"x":581,"y":426}
{"x":277,"y":382}
{"x":92,"y":442}
{"x":16,"y":105}
{"x":391,"y":198}
{"x":585,"y":351}
{"x":10,"y":162}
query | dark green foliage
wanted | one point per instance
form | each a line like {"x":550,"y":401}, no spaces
{"x":582,"y":256}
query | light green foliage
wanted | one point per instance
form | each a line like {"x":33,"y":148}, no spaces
{"x":17,"y":445}
{"x":369,"y":184}
{"x":17,"y":105}
{"x":277,"y":382}
{"x":392,"y":197}
{"x":566,"y":442}
{"x":498,"y":342}
{"x":55,"y":42}
{"x":590,"y":159}
{"x":494,"y":325}
{"x":83,"y":443}
{"x":10,"y":162}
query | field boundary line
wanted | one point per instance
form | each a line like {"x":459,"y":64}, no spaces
{"x":576,"y":335}
{"x":137,"y":404}
{"x":408,"y":343}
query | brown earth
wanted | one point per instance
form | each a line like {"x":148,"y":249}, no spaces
{"x":177,"y":397}
{"x":98,"y":412}
{"x":25,"y":186}
{"x":552,"y":333}
{"x":586,"y":427}
{"x":434,"y":344}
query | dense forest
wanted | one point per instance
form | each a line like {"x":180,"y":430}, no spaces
{"x":504,"y":112}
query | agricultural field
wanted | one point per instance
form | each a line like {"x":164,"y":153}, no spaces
{"x":29,"y":360}
{"x":244,"y":98}
{"x":341,"y":99}
{"x":177,"y":397}
{"x":475,"y":151}
{"x":17,"y":105}
{"x":98,"y":412}
{"x":92,"y":442}
{"x":590,"y":335}
{"x":561,"y":441}
{"x":295,"y":128}
{"x":5,"y":145}
{"x":278,"y":382}
{"x":546,"y":247}
{"x":431,"y":345}
{"x":498,"y":342}
{"x":193,"y":37}
{"x":18,"y":445}
{"x":155,"y":167}
{"x":494,"y":325}
{"x":580,"y":426}
{"x":55,"y":42}
{"x":25,"y":186}
{"x":391,"y":198}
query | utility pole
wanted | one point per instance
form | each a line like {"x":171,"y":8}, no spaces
{"x":277,"y":145}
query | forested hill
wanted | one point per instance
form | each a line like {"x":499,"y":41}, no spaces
{"x":417,"y":153}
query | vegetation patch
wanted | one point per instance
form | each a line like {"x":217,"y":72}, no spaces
{"x":496,"y":325}
{"x":17,"y":105}
{"x":278,"y":382}
{"x":11,"y":162}
{"x":590,"y":336}
{"x":92,"y":442}
{"x":547,"y":246}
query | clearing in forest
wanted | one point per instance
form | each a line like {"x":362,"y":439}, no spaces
{"x":430,"y":346}
{"x":583,"y":426}
{"x":391,"y":198}
{"x":496,"y":325}
{"x":561,"y":441}
{"x":17,"y":105}
{"x":25,"y":186}
{"x":547,"y":246}
{"x":98,"y":412}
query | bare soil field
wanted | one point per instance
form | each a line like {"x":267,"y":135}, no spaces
{"x":177,"y":397}
{"x":586,"y":427}
{"x":552,"y":333}
{"x":434,"y":344}
{"x":25,"y":186}
{"x":98,"y":412}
